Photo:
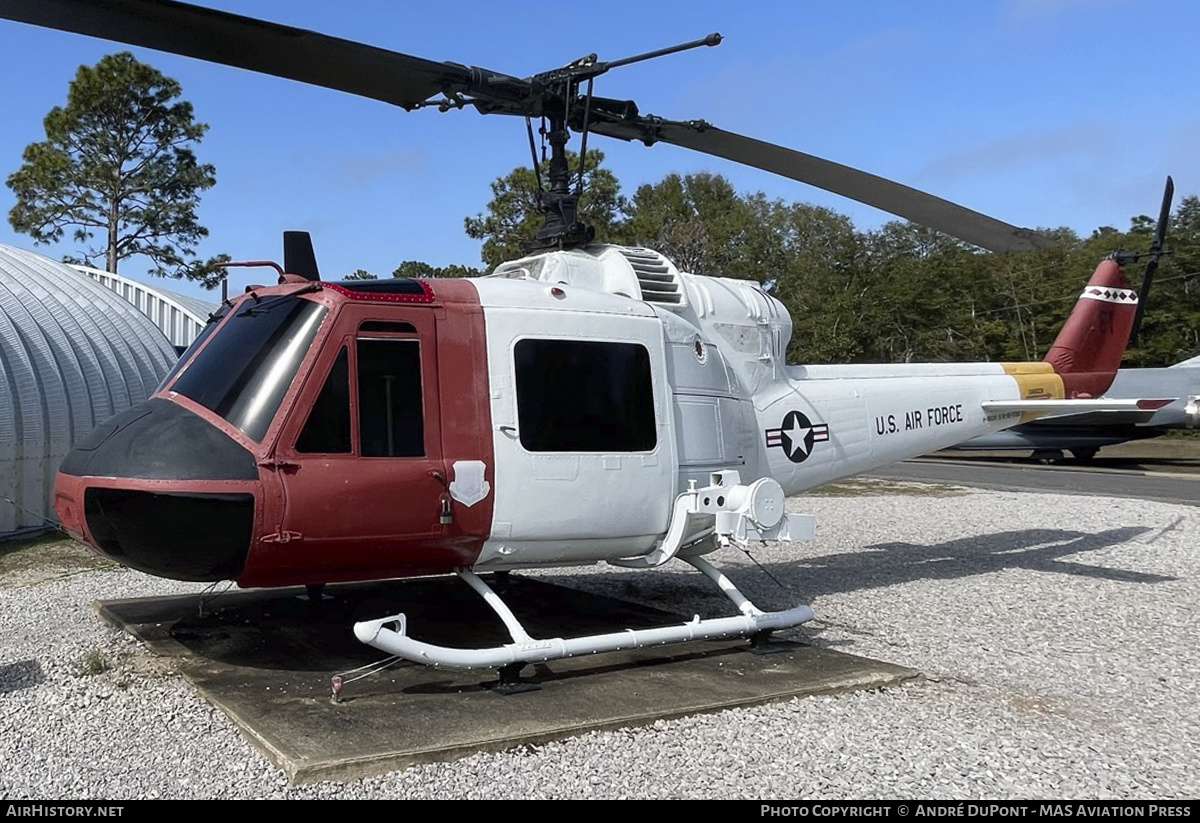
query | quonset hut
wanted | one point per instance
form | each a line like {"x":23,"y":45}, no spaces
{"x":181,"y":318}
{"x":72,"y":354}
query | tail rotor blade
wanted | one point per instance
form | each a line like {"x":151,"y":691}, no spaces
{"x":1160,"y":234}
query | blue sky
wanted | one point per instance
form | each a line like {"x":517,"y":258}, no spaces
{"x":1038,"y":112}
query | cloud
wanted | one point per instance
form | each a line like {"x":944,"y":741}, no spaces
{"x":368,"y":168}
{"x":1083,"y":140}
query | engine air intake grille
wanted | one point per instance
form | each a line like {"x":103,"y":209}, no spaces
{"x":656,"y":277}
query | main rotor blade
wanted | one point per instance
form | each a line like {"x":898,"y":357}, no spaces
{"x":407,"y":81}
{"x":243,"y":42}
{"x":896,"y":198}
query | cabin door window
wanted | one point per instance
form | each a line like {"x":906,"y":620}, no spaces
{"x":390,"y":412}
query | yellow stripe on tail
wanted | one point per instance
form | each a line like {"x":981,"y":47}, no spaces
{"x":1035,"y":381}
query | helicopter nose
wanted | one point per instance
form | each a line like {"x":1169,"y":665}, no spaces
{"x":161,"y":490}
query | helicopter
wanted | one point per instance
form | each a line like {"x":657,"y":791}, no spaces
{"x":1083,"y":435}
{"x":586,"y":403}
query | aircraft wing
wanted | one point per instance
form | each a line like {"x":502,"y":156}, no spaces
{"x":1117,"y":410}
{"x":1109,"y":417}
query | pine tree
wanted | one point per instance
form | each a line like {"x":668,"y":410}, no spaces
{"x":117,"y":166}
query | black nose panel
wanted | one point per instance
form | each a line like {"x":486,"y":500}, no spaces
{"x":185,"y":536}
{"x":160,"y":440}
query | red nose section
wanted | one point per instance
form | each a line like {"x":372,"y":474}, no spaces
{"x":1088,"y":350}
{"x":68,"y":505}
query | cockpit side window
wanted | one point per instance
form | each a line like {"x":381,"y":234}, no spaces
{"x":327,"y":430}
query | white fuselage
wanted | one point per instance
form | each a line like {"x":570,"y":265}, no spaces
{"x":723,"y":398}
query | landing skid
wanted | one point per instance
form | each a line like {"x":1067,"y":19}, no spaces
{"x":390,"y":634}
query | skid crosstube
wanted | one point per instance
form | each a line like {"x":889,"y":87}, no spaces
{"x":390,"y":634}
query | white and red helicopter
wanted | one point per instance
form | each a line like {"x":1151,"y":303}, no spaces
{"x":587,"y":403}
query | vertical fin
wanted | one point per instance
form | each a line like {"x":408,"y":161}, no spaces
{"x":1088,"y":350}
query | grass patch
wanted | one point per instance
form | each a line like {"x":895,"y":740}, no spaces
{"x":32,"y":559}
{"x":92,"y":663}
{"x":864,"y":486}
{"x":17,"y":544}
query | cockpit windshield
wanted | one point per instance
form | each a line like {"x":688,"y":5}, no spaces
{"x":214,"y":320}
{"x":247,"y":367}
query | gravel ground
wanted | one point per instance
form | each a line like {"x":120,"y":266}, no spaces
{"x":1057,"y":635}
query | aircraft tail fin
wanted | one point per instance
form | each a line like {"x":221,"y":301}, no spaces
{"x":1088,"y":351}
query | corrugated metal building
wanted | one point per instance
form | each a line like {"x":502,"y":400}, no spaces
{"x":72,"y":354}
{"x":179,"y":317}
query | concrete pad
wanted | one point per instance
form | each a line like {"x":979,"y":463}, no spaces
{"x":266,"y":658}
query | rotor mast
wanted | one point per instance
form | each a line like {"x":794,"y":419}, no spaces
{"x":561,"y":227}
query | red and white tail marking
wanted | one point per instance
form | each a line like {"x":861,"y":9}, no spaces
{"x":1088,"y":350}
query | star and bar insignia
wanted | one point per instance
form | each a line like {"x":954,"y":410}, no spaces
{"x":796,"y":436}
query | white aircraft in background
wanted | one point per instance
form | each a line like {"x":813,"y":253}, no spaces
{"x":1082,"y":435}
